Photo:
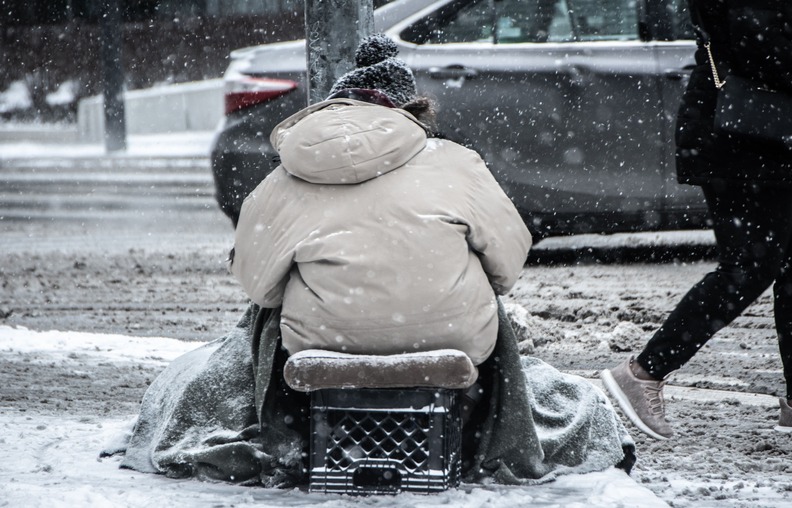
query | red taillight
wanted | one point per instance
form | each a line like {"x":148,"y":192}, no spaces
{"x":248,"y":91}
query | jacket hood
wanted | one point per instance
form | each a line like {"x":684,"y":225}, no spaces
{"x":344,"y":141}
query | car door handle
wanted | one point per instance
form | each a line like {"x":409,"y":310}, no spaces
{"x":454,"y":71}
{"x":680,"y":74}
{"x":577,"y":75}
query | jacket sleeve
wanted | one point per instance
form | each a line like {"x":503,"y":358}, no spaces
{"x":262,"y":258}
{"x":496,"y":232}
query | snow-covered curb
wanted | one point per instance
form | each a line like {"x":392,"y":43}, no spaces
{"x":174,"y":144}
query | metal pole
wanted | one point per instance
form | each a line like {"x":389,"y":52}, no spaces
{"x":113,"y":77}
{"x":333,"y":31}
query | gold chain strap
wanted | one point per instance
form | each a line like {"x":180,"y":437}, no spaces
{"x":718,"y":83}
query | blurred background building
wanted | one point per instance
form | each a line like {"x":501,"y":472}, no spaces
{"x":49,"y":49}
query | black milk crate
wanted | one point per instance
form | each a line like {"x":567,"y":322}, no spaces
{"x":385,"y":441}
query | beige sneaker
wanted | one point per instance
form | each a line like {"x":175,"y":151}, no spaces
{"x":641,"y":400}
{"x":785,"y":418}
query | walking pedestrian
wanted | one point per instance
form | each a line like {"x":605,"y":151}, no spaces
{"x":748,"y":191}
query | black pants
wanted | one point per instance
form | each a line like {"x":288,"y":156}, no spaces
{"x":753,"y":232}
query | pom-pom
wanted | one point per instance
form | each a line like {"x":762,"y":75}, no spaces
{"x":374,"y":49}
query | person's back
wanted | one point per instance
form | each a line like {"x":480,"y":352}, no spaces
{"x":377,"y":239}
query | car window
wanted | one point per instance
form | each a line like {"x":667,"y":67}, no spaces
{"x":598,"y":20}
{"x":533,"y":21}
{"x":518,"y":21}
{"x":681,"y":26}
{"x":462,"y":22}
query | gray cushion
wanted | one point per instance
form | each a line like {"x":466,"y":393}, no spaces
{"x":314,"y":369}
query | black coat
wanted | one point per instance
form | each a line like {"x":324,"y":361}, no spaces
{"x":753,"y":39}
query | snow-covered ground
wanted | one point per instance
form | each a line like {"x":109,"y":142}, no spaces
{"x":52,"y":435}
{"x":111,"y":282}
{"x":50,"y":459}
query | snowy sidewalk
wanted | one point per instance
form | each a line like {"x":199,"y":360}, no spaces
{"x":51,"y":459}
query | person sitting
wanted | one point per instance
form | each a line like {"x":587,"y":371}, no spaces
{"x":373,"y":236}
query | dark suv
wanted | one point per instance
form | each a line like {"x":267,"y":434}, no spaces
{"x":570,"y":102}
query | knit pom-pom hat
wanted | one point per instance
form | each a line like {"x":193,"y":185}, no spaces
{"x":379,"y":69}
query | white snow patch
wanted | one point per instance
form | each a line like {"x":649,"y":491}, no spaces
{"x":66,"y":93}
{"x":16,"y":96}
{"x":117,"y":348}
{"x":173,"y":144}
{"x":631,"y":240}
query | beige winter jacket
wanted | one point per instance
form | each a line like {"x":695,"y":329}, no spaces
{"x":375,"y":239}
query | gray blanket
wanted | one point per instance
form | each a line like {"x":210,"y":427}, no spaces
{"x":223,"y":412}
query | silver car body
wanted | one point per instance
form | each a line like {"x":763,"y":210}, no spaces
{"x":577,"y":127}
